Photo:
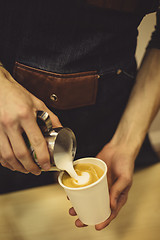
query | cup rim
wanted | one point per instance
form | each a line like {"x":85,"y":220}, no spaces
{"x":88,"y":186}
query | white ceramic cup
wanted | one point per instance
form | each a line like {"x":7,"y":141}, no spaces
{"x":91,"y":202}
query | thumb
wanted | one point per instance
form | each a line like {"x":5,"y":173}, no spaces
{"x":40,"y":105}
{"x":119,"y":193}
{"x":54,"y":119}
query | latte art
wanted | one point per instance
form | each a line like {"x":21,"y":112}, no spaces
{"x":87,"y":174}
{"x":82,"y":179}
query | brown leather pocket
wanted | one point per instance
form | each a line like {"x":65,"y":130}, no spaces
{"x":61,"y":91}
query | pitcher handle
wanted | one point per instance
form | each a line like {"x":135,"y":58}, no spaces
{"x":44,"y":121}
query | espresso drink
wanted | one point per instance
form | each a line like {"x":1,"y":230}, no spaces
{"x":88,"y":173}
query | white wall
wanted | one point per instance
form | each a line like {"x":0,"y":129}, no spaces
{"x":145,"y":30}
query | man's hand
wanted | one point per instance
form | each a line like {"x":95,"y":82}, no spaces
{"x":17,"y":114}
{"x":120,"y":172}
{"x":121,"y":152}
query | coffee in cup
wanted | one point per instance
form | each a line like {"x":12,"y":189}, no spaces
{"x":88,"y":173}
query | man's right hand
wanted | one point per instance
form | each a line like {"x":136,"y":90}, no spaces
{"x":18,"y":114}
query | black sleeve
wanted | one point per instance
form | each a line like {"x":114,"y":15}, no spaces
{"x":155,"y":39}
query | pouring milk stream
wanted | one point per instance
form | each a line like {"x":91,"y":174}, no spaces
{"x":61,"y":145}
{"x":63,"y":160}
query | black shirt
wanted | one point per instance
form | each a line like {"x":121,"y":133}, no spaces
{"x":62,"y":35}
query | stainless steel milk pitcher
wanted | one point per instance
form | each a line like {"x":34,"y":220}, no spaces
{"x":59,"y":140}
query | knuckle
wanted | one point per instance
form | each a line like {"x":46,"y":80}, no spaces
{"x":128,"y":179}
{"x":33,"y":168}
{"x":114,"y":214}
{"x":3,"y":163}
{"x":24,"y":112}
{"x":117,"y":193}
{"x":8,"y":157}
{"x":56,"y":118}
{"x":7,"y":121}
{"x":21,"y":154}
{"x":40,"y":104}
{"x":29,"y":168}
{"x":38,"y":141}
{"x":43,"y":160}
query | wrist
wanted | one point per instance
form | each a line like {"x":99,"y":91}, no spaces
{"x":142,"y":106}
{"x":129,"y":137}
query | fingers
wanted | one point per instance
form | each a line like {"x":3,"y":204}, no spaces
{"x":41,"y":106}
{"x":78,"y":222}
{"x":54,"y":119}
{"x":72,"y":212}
{"x":113,"y":215}
{"x":119,"y":192}
{"x":106,"y":222}
{"x":37,"y":141}
{"x":18,"y":112}
{"x":22,"y":154}
{"x":8,"y":158}
{"x":118,"y":197}
{"x":6,"y":165}
{"x":14,"y":150}
{"x":100,"y":226}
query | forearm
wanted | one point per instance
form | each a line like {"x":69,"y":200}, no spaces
{"x":143,"y":104}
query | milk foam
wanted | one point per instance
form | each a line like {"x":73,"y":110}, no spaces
{"x":88,"y":173}
{"x":83,"y":179}
{"x":63,"y":161}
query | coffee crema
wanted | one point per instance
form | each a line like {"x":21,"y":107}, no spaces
{"x":93,"y":172}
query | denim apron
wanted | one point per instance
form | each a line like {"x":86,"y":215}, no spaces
{"x":70,"y":37}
